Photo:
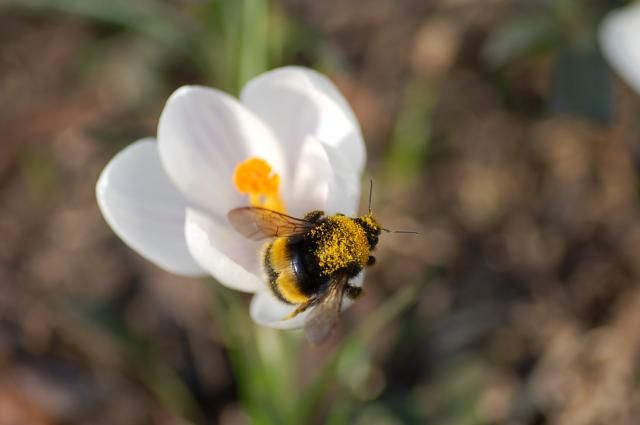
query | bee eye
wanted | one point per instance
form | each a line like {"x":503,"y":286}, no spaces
{"x":374,"y":240}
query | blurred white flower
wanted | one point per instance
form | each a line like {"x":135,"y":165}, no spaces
{"x":291,"y":143}
{"x":619,"y":36}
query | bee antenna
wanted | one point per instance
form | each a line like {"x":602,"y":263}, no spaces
{"x":400,"y":231}
{"x":370,"y":193}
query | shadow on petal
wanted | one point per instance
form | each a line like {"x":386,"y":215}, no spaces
{"x":229,"y":257}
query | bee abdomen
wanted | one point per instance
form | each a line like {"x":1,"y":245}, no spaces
{"x":269,"y":271}
{"x":284,"y":280}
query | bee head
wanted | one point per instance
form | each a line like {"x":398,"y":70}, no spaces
{"x":371,"y":228}
{"x":370,"y":225}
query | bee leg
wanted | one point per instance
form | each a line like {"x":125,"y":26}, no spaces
{"x":300,"y":309}
{"x":352,"y":292}
{"x":371,"y":261}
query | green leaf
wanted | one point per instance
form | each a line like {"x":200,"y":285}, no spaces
{"x":154,"y":19}
{"x":581,"y":84}
{"x":520,"y":37}
{"x":409,"y":146}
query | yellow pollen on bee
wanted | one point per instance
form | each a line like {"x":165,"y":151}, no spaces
{"x":254,"y":177}
{"x":370,"y":221}
{"x":342,"y":243}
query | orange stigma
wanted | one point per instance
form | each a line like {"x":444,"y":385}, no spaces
{"x":254,"y":177}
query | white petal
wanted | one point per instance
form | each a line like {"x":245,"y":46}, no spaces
{"x":322,"y":181}
{"x":229,"y":257}
{"x":344,"y":190}
{"x":297,"y":102}
{"x":203,"y":134}
{"x":309,"y":188}
{"x":267,"y":310}
{"x":144,"y":209}
{"x":620,"y":42}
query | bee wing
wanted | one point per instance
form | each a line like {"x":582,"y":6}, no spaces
{"x":260,"y":223}
{"x":324,"y":317}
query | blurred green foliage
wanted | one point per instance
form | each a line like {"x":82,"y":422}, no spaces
{"x":409,"y":146}
{"x":565,"y":31}
{"x":155,"y":19}
{"x":265,"y":362}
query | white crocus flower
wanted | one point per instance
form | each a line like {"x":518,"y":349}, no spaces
{"x":291,"y":143}
{"x":619,"y":36}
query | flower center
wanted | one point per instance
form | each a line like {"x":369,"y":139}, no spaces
{"x":255,"y":178}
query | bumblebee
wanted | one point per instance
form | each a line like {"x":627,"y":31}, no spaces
{"x":310,"y":261}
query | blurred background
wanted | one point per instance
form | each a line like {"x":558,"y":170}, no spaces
{"x":494,"y":128}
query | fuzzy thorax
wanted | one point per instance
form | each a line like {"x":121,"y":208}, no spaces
{"x":342,"y":243}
